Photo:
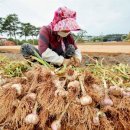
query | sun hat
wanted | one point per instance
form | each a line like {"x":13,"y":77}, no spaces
{"x":64,"y":20}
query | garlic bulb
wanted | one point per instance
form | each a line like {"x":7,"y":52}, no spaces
{"x":18,"y":88}
{"x":126,"y":94}
{"x":96,"y":120}
{"x":7,"y":85}
{"x":107,"y":101}
{"x":59,"y":84}
{"x":71,"y":75}
{"x":61,"y":92}
{"x":56,"y":125}
{"x":32,"y":118}
{"x":32,"y":96}
{"x":115,"y":90}
{"x":2,"y":81}
{"x":74,"y":83}
{"x":85,"y":100}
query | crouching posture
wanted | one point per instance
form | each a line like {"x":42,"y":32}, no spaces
{"x":56,"y":44}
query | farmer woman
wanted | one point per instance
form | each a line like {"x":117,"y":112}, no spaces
{"x":56,"y":44}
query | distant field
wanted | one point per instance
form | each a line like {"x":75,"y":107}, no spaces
{"x":105,"y":43}
{"x":102,"y":48}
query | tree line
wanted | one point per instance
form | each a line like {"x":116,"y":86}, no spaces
{"x":13,"y":27}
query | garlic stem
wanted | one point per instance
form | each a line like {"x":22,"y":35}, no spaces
{"x":35,"y":108}
{"x":96,"y":119}
{"x":62,"y":114}
{"x":85,"y":99}
{"x":82,"y":86}
{"x":127,"y":89}
{"x":105,"y":84}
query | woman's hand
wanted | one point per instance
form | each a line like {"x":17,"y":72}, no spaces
{"x":75,"y":61}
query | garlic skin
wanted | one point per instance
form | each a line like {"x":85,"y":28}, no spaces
{"x":127,"y":89}
{"x":96,"y":120}
{"x":74,"y":83}
{"x":32,"y":119}
{"x":56,"y":125}
{"x":115,"y":90}
{"x":61,"y":92}
{"x":126,"y":94}
{"x":2,"y":81}
{"x":52,"y":73}
{"x":16,"y":103}
{"x":18,"y":88}
{"x":107,"y":102}
{"x":85,"y":100}
{"x":32,"y":96}
{"x":7,"y":85}
{"x":59,"y":84}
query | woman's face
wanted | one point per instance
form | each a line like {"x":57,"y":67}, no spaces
{"x":63,"y":33}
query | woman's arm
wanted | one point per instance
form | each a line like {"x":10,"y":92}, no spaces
{"x":43,"y":46}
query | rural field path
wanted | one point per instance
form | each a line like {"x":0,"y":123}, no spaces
{"x":100,"y":48}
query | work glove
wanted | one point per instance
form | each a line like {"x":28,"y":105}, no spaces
{"x":70,"y":51}
{"x":27,"y":50}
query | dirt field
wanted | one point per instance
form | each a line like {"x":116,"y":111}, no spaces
{"x":109,"y":48}
{"x":112,"y":53}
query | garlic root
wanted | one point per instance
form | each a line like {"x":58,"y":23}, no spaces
{"x":56,"y":125}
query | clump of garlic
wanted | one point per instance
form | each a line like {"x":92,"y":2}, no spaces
{"x":32,"y":96}
{"x":85,"y":99}
{"x":18,"y":88}
{"x":106,"y":101}
{"x":2,"y":81}
{"x":33,"y":117}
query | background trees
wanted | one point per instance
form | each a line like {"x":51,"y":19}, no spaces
{"x":12,"y":28}
{"x":20,"y":32}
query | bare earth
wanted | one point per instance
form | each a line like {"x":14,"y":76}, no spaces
{"x":112,"y":53}
{"x":85,"y":48}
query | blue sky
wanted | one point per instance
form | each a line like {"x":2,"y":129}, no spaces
{"x":96,"y":16}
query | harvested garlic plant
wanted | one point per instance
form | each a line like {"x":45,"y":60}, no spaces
{"x":33,"y":117}
{"x":85,"y":99}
